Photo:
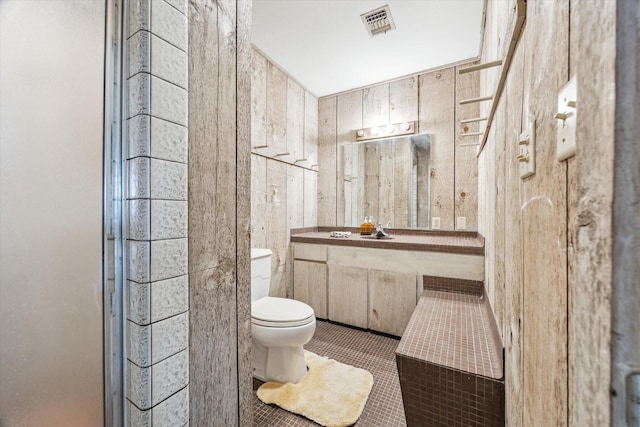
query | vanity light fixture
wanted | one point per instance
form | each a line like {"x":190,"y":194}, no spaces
{"x":375,"y":132}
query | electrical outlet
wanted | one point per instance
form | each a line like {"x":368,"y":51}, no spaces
{"x":527,"y":146}
{"x":461,"y":224}
{"x":435,"y":223}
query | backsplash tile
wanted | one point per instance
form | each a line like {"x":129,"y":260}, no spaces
{"x":138,"y":417}
{"x":169,"y":141}
{"x":139,"y":174}
{"x":168,"y":259}
{"x":139,"y":16}
{"x":169,"y":180}
{"x":168,"y":219}
{"x":169,"y":336}
{"x":170,"y":297}
{"x":139,"y":94}
{"x":169,"y":376}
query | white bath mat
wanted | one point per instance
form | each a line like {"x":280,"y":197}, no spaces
{"x":332,"y":394}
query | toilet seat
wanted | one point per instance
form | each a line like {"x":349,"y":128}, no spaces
{"x":280,"y":313}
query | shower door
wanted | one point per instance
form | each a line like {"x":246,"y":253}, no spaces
{"x":55,"y":201}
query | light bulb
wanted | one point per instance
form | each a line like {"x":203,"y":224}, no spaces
{"x":405,"y":126}
{"x":360,"y":133}
{"x":375,"y":131}
{"x":390,"y":128}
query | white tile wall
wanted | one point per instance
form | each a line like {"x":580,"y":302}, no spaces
{"x":157,"y":288}
{"x":139,"y":390}
{"x":168,"y":101}
{"x":169,"y":180}
{"x":139,"y":303}
{"x":168,"y":259}
{"x":139,"y":135}
{"x":169,"y":23}
{"x":139,"y":260}
{"x":169,"y":62}
{"x":174,"y":411}
{"x":169,"y":336}
{"x":139,"y":219}
{"x":170,"y":297}
{"x":169,"y":141}
{"x":169,"y":376}
{"x":168,"y":219}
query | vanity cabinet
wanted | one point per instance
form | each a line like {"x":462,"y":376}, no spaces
{"x":392,"y":299}
{"x":310,"y":276}
{"x":310,"y":285}
{"x":348,"y":295}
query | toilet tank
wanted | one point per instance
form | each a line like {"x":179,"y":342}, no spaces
{"x":260,"y":273}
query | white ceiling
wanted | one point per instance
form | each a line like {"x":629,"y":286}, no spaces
{"x":324,"y":45}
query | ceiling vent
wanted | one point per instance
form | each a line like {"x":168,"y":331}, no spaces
{"x":378,"y":21}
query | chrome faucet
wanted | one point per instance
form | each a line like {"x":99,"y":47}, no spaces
{"x":380,"y":233}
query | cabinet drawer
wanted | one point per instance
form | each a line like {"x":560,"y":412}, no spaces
{"x":310,"y":252}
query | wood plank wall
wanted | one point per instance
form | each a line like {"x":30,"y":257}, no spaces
{"x":429,"y":99}
{"x":548,"y":247}
{"x":284,"y":178}
{"x":219,"y":213}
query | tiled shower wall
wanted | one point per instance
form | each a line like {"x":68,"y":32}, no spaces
{"x":157,"y":371}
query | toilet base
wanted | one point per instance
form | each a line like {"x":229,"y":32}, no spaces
{"x":281,"y":364}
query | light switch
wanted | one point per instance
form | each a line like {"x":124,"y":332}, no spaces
{"x":567,"y":115}
{"x":527,"y":156}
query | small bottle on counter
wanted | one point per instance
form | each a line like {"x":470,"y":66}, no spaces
{"x":365,"y":227}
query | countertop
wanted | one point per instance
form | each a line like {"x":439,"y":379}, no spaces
{"x":459,"y":242}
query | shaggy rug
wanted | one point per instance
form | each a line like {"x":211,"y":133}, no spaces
{"x":332,"y":394}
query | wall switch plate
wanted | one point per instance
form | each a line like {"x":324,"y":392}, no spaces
{"x":435,"y":223}
{"x":567,"y":116}
{"x":527,"y":156}
{"x":461,"y":223}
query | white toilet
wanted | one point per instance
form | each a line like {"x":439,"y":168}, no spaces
{"x":279,"y":327}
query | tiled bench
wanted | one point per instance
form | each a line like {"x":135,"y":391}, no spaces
{"x":450,"y":359}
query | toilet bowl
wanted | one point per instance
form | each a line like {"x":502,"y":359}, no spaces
{"x":280,"y":327}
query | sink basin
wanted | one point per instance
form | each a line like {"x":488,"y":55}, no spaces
{"x":377,"y":238}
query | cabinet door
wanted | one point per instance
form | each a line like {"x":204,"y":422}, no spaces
{"x":392,"y":299}
{"x":348,"y":295}
{"x":310,"y":285}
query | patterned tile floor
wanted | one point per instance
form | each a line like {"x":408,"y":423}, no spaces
{"x":375,"y":353}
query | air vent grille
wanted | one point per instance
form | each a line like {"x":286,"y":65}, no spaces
{"x":378,"y":21}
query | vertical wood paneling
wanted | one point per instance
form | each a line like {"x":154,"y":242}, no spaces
{"x":276,"y":225}
{"x":258,"y":201}
{"x":386,"y":188}
{"x":258,"y":99}
{"x":403,"y":100}
{"x":349,"y":118}
{"x":213,"y":215}
{"x":310,"y":198}
{"x":544,"y":223}
{"x":466,"y":178}
{"x":514,"y":285}
{"x":375,"y":105}
{"x":401,"y":182}
{"x":437,"y":115}
{"x":243,"y":212}
{"x":327,"y":115}
{"x":295,"y":119}
{"x":372,"y":178}
{"x":295,"y":197}
{"x":310,"y":128}
{"x":601,"y":65}
{"x":276,"y":109}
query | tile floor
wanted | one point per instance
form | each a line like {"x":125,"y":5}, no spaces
{"x":373,"y":352}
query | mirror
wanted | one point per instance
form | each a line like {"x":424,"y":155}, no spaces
{"x":388,"y":180}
